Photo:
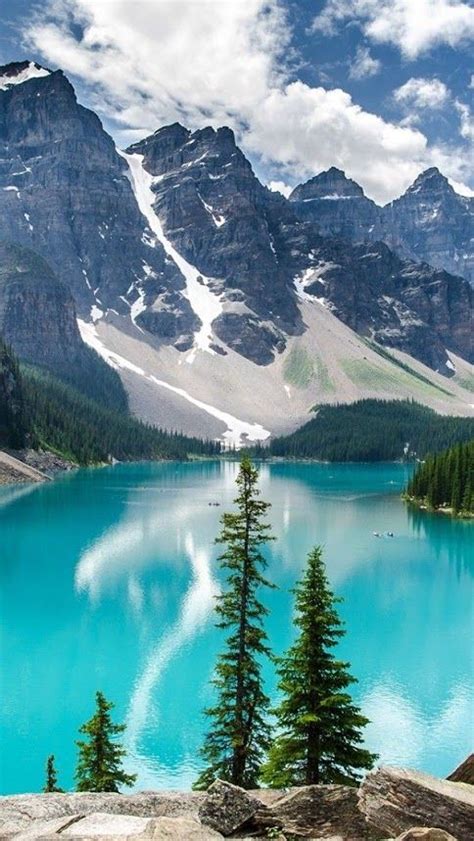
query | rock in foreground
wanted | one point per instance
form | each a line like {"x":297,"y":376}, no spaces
{"x":395,"y":800}
{"x":226,"y":807}
{"x":464,"y":773}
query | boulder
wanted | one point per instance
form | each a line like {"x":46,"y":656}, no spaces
{"x":464,"y":773}
{"x":425,"y":833}
{"x":227,"y":807}
{"x":318,"y":811}
{"x":394,"y":800}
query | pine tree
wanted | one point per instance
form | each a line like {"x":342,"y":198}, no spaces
{"x":51,"y":783}
{"x":456,"y":496}
{"x":239,"y":736}
{"x":320,"y":725}
{"x":99,"y":766}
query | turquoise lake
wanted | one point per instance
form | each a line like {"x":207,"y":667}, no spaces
{"x":108,"y":580}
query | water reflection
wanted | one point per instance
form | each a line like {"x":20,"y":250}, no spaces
{"x":401,"y":731}
{"x":194,"y":613}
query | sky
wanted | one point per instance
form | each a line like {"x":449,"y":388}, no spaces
{"x":382,"y":89}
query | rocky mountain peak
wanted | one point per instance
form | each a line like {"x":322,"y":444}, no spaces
{"x":330,"y":184}
{"x":430,"y":181}
{"x":17,"y":72}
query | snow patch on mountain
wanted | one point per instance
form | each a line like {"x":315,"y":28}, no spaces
{"x":217,"y":218}
{"x":31,"y":71}
{"x":206,"y":305}
{"x":238,"y":431}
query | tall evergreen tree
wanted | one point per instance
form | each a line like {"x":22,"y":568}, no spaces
{"x":99,"y":766}
{"x":320,"y":738}
{"x":51,"y":783}
{"x":239,"y":737}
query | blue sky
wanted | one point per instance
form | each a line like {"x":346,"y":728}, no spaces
{"x":380,"y":88}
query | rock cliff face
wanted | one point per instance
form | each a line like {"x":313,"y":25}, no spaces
{"x":254,"y":248}
{"x":395,"y":302}
{"x":338,"y":206}
{"x":64,"y":193}
{"x":216,"y":213}
{"x":38,"y":320}
{"x":429,"y":223}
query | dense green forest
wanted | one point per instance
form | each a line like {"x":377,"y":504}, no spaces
{"x":38,"y":410}
{"x":371,"y":430}
{"x":92,"y":376}
{"x":12,"y":421}
{"x":446,"y":480}
{"x":62,"y":419}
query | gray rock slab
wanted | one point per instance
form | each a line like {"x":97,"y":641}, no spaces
{"x":395,"y":800}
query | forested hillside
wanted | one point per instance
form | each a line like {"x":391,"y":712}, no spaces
{"x":40,"y":411}
{"x":12,"y":424}
{"x":446,"y":480}
{"x":372,"y":430}
{"x":62,"y":419}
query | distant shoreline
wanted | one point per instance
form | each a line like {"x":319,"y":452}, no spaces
{"x":446,"y":510}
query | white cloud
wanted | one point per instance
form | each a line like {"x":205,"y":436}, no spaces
{"x":218,"y":62}
{"x":422,"y":93}
{"x":310,"y":129}
{"x":413,"y":26}
{"x":363,"y":65}
{"x":466,"y":120}
{"x":158,"y":60}
{"x":280,"y":187}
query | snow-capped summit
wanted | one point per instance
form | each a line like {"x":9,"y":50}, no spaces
{"x":18,"y":72}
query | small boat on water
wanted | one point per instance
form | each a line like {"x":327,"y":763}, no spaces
{"x":376,"y":534}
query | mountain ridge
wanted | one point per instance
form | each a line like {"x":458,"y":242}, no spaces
{"x":181,"y":262}
{"x":430,"y":222}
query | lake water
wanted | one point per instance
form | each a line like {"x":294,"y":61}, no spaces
{"x":108,"y":579}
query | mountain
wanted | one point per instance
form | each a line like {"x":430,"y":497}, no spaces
{"x":215,"y":213}
{"x":430,"y":222}
{"x":221,"y":304}
{"x":251,"y":249}
{"x":65,"y":195}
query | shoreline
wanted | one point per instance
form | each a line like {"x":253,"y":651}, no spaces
{"x":49,"y":466}
{"x":25,"y":467}
{"x":421,"y":505}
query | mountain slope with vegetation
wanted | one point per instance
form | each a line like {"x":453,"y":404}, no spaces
{"x":38,"y":320}
{"x":62,"y":419}
{"x":12,"y":422}
{"x":445,"y":481}
{"x":40,"y":411}
{"x":371,"y":430}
